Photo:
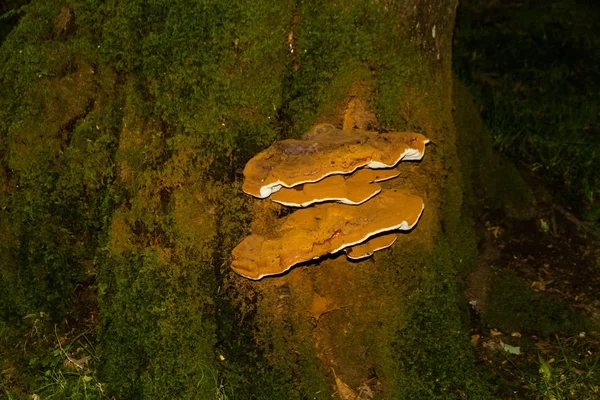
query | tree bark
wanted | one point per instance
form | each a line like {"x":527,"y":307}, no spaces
{"x":145,"y":113}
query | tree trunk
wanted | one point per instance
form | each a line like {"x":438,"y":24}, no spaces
{"x":124,"y":134}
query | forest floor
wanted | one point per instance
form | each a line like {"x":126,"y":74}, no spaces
{"x":535,"y":295}
{"x":534,"y":302}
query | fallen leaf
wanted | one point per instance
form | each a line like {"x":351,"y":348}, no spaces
{"x":475,"y":339}
{"x":538,"y":286}
{"x":545,"y":368}
{"x":492,"y":345}
{"x":364,"y":389}
{"x":496,"y":231}
{"x":543,"y":345}
{"x":495,"y":332}
{"x":80,"y":363}
{"x":515,"y":334}
{"x":510,"y":349}
{"x":344,"y":390}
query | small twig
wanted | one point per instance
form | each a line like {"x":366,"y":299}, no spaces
{"x":554,"y":226}
{"x":63,"y":351}
{"x":326,"y":312}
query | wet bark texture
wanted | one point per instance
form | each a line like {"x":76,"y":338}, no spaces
{"x":125,"y":128}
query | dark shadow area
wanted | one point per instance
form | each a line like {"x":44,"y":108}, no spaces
{"x":10,"y":13}
{"x":533,"y":72}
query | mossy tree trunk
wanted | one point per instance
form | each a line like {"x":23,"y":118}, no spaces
{"x":124,"y":129}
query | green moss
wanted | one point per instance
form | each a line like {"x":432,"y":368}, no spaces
{"x":394,"y":82}
{"x":514,"y":307}
{"x":244,"y":368}
{"x":157,"y":334}
{"x":195,"y":112}
{"x":429,"y":355}
{"x":434,"y":356}
{"x":123,"y":138}
{"x":331,"y":41}
{"x":494,"y":182}
{"x":226,"y":84}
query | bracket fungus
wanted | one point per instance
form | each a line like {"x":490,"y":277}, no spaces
{"x":369,"y":247}
{"x":324,"y":151}
{"x":352,"y":189}
{"x":311,"y":233}
{"x":334,"y":175}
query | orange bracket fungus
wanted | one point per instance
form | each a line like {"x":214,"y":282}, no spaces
{"x":340,"y":169}
{"x":311,"y":233}
{"x":347,"y":189}
{"x":369,"y":247}
{"x":324,"y":151}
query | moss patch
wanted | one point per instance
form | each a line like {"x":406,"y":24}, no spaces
{"x":514,"y":307}
{"x":434,"y":356}
{"x":495,"y":183}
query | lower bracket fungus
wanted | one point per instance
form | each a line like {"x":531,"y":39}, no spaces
{"x":369,"y":247}
{"x":311,"y":233}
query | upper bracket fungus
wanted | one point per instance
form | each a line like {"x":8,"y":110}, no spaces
{"x":329,"y":165}
{"x":326,"y":151}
